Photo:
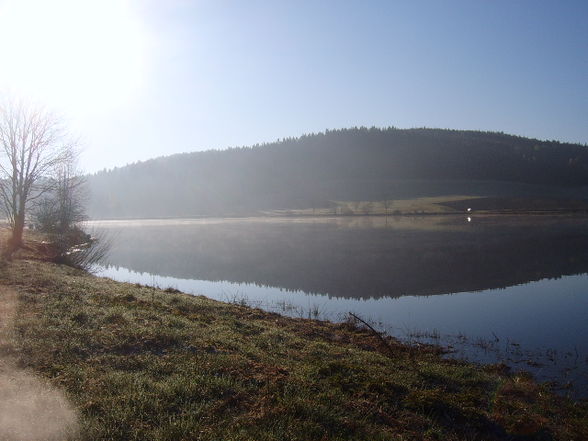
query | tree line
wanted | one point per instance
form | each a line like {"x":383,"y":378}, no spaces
{"x":347,"y":164}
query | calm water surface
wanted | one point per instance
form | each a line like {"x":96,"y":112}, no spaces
{"x":493,"y":289}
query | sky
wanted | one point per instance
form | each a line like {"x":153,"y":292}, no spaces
{"x":137,"y":79}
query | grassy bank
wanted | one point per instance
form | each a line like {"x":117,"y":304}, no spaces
{"x":140,"y":363}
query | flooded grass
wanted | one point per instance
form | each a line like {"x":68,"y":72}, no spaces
{"x":566,"y":372}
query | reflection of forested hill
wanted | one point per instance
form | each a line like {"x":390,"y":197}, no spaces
{"x":360,"y":262}
{"x":354,"y":164}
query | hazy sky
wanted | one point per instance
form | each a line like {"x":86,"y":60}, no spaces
{"x":158,"y":77}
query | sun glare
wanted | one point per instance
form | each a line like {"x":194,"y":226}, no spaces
{"x":74,"y":54}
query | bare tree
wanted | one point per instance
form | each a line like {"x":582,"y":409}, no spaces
{"x":33,"y":147}
{"x":61,"y":209}
{"x":60,"y":215}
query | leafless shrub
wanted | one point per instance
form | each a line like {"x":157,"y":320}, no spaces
{"x":85,"y":255}
{"x":60,"y":214}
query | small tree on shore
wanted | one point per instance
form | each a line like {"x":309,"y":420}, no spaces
{"x":34,"y":146}
{"x":61,"y":209}
{"x":60,"y":214}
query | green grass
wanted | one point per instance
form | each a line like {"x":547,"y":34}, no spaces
{"x":144,"y":364}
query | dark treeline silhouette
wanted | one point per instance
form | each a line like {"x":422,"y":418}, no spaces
{"x":360,"y":258}
{"x":348,"y":164}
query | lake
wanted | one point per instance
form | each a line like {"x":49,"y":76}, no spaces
{"x":511,"y":289}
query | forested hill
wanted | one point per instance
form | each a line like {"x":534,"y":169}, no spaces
{"x":340,"y":165}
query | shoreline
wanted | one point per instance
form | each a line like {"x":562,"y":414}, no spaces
{"x":545,"y":363}
{"x":477,"y":214}
{"x":103,"y":340}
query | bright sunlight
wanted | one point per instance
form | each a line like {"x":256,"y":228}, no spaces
{"x":72,"y":54}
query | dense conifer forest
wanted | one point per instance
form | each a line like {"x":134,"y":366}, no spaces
{"x":354,"y":164}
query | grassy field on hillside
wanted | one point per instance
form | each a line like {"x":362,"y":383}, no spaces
{"x":441,"y":205}
{"x":423,"y":205}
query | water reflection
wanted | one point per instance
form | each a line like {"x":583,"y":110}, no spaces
{"x":357,"y":258}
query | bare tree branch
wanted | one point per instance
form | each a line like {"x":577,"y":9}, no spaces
{"x":33,"y":147}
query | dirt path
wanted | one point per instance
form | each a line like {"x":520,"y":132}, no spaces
{"x":30,"y":409}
